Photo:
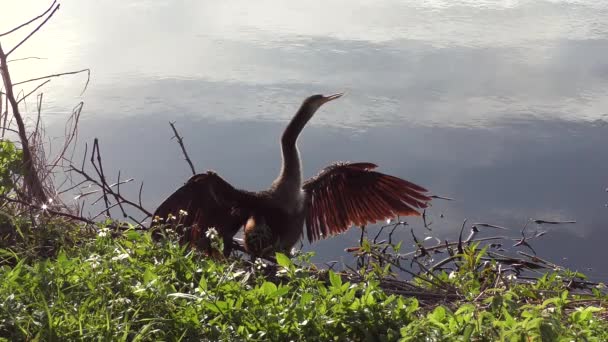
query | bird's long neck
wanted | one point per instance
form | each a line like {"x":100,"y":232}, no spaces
{"x":291,"y":169}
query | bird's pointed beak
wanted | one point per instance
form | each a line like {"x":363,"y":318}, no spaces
{"x":332,"y":97}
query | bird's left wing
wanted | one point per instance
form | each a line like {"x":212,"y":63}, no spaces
{"x":207,"y":200}
{"x":346,"y":194}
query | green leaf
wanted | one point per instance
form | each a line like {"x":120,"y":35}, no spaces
{"x":268,"y":288}
{"x":281,"y":291}
{"x":149,"y":275}
{"x":439,"y":313}
{"x":283,"y":260}
{"x":468,"y":331}
{"x":334,"y":279}
{"x":305,"y":298}
{"x":133,"y":235}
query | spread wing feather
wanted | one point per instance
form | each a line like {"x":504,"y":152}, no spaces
{"x":346,"y":194}
{"x":209,"y":201}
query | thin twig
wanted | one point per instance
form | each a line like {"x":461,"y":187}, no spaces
{"x":29,"y":22}
{"x":35,"y":30}
{"x":180,"y":141}
{"x":33,"y":91}
{"x":59,"y":75}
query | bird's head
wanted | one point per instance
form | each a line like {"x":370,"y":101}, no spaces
{"x":312,"y":103}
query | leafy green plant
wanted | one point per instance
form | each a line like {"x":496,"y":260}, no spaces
{"x":131,"y":288}
{"x":10,"y":165}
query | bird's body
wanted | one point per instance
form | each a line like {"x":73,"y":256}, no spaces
{"x":343,"y":194}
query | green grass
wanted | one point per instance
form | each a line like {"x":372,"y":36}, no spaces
{"x":133,"y":289}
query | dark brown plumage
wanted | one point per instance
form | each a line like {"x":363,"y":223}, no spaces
{"x":346,"y":194}
{"x":342,"y":195}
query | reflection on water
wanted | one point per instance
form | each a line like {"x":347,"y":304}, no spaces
{"x":431,"y":62}
{"x":497,"y":103}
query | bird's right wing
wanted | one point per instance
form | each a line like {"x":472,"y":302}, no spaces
{"x":346,"y":194}
{"x":206,"y":200}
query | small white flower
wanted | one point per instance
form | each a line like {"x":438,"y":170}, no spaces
{"x":50,"y":200}
{"x":44,"y":206}
{"x":183,"y":213}
{"x":452,"y":275}
{"x":259,"y":264}
{"x":511,"y":277}
{"x":211,"y":233}
{"x":94,"y":260}
{"x":120,"y":257}
{"x":103,"y":232}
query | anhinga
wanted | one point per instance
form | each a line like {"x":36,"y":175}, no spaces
{"x":342,"y":195}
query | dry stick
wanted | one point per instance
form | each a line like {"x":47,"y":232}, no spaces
{"x":106,"y":188}
{"x":4,"y":125}
{"x":84,"y":158}
{"x":488,"y":225}
{"x":71,"y":133}
{"x":141,"y":187}
{"x":536,"y":258}
{"x":34,"y":31}
{"x":441,"y":197}
{"x":100,"y":173}
{"x":124,"y":213}
{"x":551,"y":222}
{"x":181,"y":144}
{"x":29,"y":22}
{"x":33,"y":183}
{"x":84,"y":194}
{"x":1,"y":114}
{"x":398,"y":223}
{"x":39,"y":112}
{"x":443,"y":262}
{"x":118,"y":196}
{"x":390,"y":235}
{"x":50,"y":211}
{"x":460,"y":250}
{"x":59,"y":75}
{"x":445,"y":245}
{"x":24,"y":59}
{"x":426,"y":225}
{"x":33,"y":91}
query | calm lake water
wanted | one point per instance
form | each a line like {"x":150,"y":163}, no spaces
{"x":501,"y":105}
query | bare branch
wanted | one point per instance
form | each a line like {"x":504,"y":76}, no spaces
{"x":59,"y":75}
{"x":33,"y":91}
{"x":24,"y":59}
{"x":33,"y":182}
{"x":34,"y":31}
{"x":180,"y":140}
{"x":30,"y":21}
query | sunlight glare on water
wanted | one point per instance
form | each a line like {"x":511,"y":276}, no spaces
{"x":437,"y":62}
